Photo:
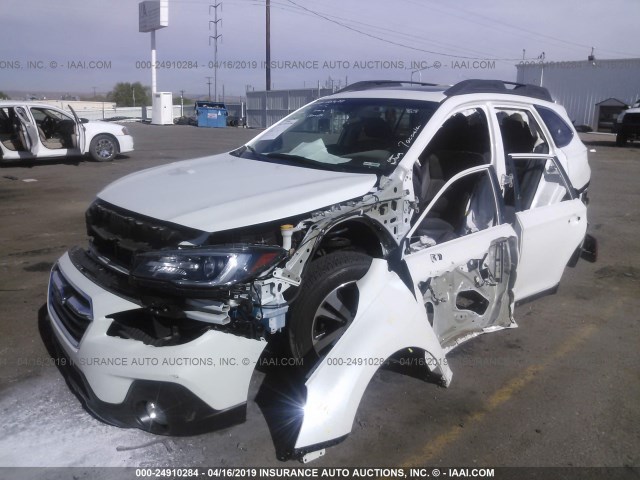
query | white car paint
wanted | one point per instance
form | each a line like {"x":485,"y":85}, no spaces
{"x":135,"y":362}
{"x":222,"y":192}
{"x":227,"y":192}
{"x":389,"y":319}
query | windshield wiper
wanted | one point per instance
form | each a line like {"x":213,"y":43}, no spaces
{"x":289,"y":156}
{"x":284,"y":156}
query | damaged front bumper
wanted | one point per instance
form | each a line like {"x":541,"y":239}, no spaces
{"x":180,"y":389}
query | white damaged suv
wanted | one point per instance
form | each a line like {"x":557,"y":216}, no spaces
{"x":385,"y":217}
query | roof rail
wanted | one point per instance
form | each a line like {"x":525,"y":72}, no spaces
{"x":498,"y":86}
{"x":369,"y":84}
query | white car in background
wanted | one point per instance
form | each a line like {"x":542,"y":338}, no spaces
{"x":33,"y":130}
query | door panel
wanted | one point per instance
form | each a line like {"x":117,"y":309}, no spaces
{"x":29,"y":131}
{"x":464,"y":284}
{"x":461,"y":258}
{"x":548,"y":235}
{"x":550,"y":221}
{"x":81,"y":134}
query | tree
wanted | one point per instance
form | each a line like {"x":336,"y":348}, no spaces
{"x":124,"y":93}
{"x":4,"y":96}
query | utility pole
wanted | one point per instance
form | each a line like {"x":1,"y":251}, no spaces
{"x":215,"y":37}
{"x":209,"y":83}
{"x":182,"y":103}
{"x":94,"y":92}
{"x":268,"y":44}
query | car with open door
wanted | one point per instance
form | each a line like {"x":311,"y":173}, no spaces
{"x":31,"y":131}
{"x":388,"y":217}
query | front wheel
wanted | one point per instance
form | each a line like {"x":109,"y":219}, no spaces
{"x":103,"y":148}
{"x":327,"y":304}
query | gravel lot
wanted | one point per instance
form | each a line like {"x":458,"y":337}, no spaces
{"x":561,"y":390}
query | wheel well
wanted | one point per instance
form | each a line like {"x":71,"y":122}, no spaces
{"x":355,"y":234}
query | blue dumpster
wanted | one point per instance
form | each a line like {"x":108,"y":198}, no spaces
{"x":211,"y":114}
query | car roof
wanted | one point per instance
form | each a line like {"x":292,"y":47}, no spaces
{"x":20,"y":103}
{"x":435,"y":92}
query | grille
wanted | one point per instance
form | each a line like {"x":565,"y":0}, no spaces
{"x":73,"y":312}
{"x":631,"y":119}
{"x":118,"y":234}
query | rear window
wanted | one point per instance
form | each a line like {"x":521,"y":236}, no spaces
{"x":560,"y":131}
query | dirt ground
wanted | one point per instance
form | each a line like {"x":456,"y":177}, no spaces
{"x":561,"y":390}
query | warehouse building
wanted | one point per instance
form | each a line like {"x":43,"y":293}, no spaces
{"x":593,"y":91}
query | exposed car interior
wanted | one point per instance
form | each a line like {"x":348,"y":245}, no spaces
{"x":11,"y":130}
{"x":462,"y":142}
{"x":54,"y":129}
{"x":357,"y":134}
{"x":467,"y":206}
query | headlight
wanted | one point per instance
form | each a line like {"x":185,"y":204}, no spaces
{"x":205,"y":267}
{"x":125,"y":131}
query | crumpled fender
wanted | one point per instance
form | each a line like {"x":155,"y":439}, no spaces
{"x":389,"y":319}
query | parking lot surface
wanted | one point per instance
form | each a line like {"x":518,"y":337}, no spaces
{"x":561,"y":390}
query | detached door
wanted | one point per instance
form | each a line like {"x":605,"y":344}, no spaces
{"x":550,"y":220}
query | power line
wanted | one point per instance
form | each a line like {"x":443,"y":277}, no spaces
{"x":470,"y":15}
{"x":398,"y":44}
{"x":412,"y":37}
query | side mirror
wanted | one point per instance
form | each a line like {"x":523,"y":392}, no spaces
{"x":84,"y":120}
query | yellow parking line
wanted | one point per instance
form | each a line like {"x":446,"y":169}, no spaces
{"x":501,"y":396}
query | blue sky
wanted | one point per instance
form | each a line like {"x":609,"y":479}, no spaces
{"x":50,"y":45}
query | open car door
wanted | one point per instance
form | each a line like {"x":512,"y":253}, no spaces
{"x":462,"y":256}
{"x":79,"y":141}
{"x":550,"y":220}
{"x":28,"y":131}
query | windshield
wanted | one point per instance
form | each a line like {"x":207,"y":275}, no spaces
{"x":354,"y":135}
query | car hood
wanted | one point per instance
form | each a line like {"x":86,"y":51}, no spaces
{"x":628,"y":110}
{"x":223,"y":192}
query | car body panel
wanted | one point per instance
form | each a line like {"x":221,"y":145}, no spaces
{"x":389,"y":319}
{"x":548,"y":236}
{"x":224,"y":191}
{"x":217,"y":358}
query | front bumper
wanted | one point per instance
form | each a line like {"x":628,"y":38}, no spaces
{"x":182,"y":389}
{"x":126,"y":143}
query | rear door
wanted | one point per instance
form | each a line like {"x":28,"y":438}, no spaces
{"x":550,"y":220}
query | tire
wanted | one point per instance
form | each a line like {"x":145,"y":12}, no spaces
{"x":621,"y":140}
{"x":103,"y":148}
{"x":326,"y":305}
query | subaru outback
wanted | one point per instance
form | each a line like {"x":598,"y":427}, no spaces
{"x":388,"y":216}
